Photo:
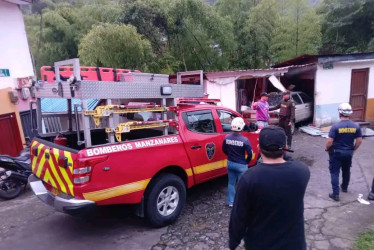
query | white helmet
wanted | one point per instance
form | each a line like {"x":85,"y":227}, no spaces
{"x":237,"y":124}
{"x":345,"y":109}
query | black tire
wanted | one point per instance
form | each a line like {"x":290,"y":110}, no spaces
{"x":12,"y":193}
{"x":157,"y":192}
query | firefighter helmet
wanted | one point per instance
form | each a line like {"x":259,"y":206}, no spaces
{"x":345,"y":109}
{"x":237,"y":124}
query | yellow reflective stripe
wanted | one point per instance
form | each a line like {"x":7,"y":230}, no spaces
{"x":33,"y":164}
{"x":41,"y":164}
{"x":56,"y":175}
{"x":253,"y":155}
{"x":70,"y":161}
{"x":69,"y":168}
{"x":63,"y":171}
{"x":210,"y":167}
{"x":188,"y":172}
{"x":34,"y":160}
{"x":116,"y":191}
{"x":48,"y":178}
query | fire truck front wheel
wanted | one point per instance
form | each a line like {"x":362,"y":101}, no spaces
{"x":164,"y":199}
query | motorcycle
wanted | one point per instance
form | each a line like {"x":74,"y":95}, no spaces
{"x":14,"y":174}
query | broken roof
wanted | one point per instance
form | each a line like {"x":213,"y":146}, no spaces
{"x":252,"y":72}
{"x":327,"y":58}
{"x":246,"y":72}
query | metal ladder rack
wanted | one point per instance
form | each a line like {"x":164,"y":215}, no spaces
{"x":144,"y":88}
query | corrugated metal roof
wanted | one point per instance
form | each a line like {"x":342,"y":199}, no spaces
{"x":252,"y":72}
{"x":55,"y":105}
{"x":308,"y":59}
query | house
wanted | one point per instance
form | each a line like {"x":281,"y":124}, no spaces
{"x":333,"y":79}
{"x":328,"y":79}
{"x":15,"y":71}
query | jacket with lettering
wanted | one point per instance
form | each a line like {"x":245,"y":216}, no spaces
{"x":344,"y":133}
{"x":287,"y":110}
{"x":234,"y":146}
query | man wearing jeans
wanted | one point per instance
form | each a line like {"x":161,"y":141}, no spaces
{"x":262,"y":110}
{"x":235,"y":146}
{"x":344,"y":139}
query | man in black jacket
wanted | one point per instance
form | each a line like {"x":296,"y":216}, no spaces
{"x":268,"y":209}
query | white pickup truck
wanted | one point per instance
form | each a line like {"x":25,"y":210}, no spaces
{"x":303,"y":107}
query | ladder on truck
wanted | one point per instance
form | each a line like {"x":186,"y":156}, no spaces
{"x":150,"y":92}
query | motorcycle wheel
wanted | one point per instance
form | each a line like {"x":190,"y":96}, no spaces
{"x":10,"y":189}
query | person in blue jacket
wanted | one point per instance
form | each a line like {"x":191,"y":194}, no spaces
{"x":235,"y":146}
{"x":344,"y":139}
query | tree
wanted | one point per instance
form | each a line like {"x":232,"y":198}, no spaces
{"x":198,"y":37}
{"x":95,"y":12}
{"x":115,"y":45}
{"x":55,"y":28}
{"x":259,"y":31}
{"x":150,"y":19}
{"x":237,"y":12}
{"x":347,"y":26}
{"x":298,"y":31}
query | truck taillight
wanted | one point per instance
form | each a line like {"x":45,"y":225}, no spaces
{"x":83,"y":169}
{"x":81,"y":180}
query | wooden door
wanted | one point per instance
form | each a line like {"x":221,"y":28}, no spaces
{"x":10,"y":139}
{"x":359,"y":90}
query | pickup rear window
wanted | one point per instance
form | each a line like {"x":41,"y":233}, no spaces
{"x":200,"y":121}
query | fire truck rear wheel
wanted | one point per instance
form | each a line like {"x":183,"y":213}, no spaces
{"x":164,"y":199}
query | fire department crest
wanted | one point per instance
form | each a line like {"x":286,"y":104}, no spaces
{"x":210,"y":149}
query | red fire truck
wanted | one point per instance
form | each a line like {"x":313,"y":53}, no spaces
{"x":145,"y":145}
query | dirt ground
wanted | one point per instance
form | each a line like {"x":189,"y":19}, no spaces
{"x":28,"y":223}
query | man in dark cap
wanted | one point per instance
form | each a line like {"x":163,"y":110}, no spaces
{"x":268,"y":209}
{"x":262,"y":110}
{"x":286,"y":115}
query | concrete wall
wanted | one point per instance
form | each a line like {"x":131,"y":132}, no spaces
{"x":14,"y":55}
{"x":333,"y":86}
{"x":14,"y":48}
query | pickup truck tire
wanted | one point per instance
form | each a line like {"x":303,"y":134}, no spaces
{"x":164,"y":199}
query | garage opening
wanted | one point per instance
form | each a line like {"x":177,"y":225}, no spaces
{"x":299,"y":80}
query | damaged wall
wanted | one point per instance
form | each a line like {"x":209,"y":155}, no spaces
{"x":223,"y":89}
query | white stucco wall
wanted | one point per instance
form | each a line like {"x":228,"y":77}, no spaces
{"x":223,"y":89}
{"x":14,"y":48}
{"x":333,"y":86}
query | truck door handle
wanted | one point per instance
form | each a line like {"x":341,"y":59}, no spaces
{"x":195,"y":146}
